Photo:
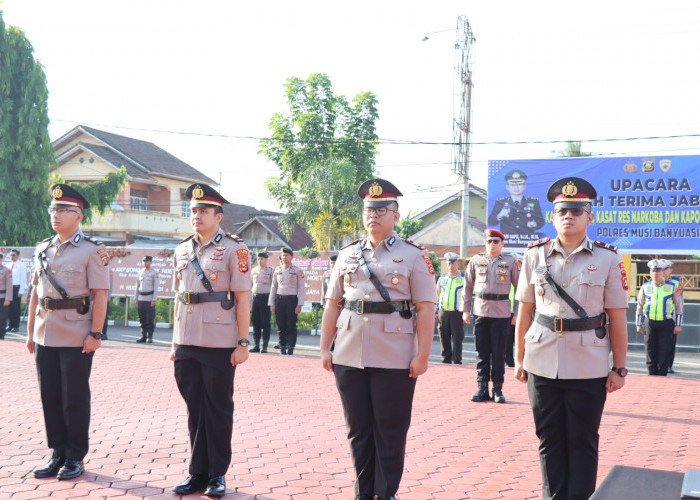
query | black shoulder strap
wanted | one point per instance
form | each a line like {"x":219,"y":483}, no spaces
{"x":559,"y":290}
{"x":45,"y":270}
{"x":365,"y":269}
{"x":198,"y":268}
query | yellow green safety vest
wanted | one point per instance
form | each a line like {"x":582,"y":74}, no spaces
{"x":451,"y":291}
{"x":658,"y":303}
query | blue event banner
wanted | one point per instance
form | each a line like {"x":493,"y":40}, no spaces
{"x":643,"y":204}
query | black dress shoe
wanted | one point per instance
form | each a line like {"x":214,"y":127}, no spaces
{"x":150,"y":341}
{"x":13,"y":330}
{"x":276,"y":346}
{"x":216,"y":487}
{"x":255,"y":349}
{"x":141,"y":340}
{"x":50,"y":469}
{"x":193,"y":484}
{"x":71,"y":469}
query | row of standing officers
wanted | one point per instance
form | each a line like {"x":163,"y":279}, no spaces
{"x":572,"y":295}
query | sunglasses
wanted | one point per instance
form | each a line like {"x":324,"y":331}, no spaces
{"x":495,"y":241}
{"x":576,"y":212}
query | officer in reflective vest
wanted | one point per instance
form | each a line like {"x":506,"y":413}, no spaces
{"x":447,"y":311}
{"x":679,"y":290}
{"x":660,"y":307}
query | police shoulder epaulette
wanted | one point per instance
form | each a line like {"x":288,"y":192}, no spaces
{"x":235,"y":237}
{"x":93,"y":241}
{"x":605,"y":245}
{"x":537,"y":243}
{"x":186,"y":239}
{"x":420,"y":247}
{"x":44,"y":244}
{"x":350,"y":244}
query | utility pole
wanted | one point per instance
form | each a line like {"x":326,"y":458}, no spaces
{"x":462,"y":120}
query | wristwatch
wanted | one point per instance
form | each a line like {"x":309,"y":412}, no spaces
{"x":97,"y":335}
{"x":244,"y":342}
{"x":622,"y":371}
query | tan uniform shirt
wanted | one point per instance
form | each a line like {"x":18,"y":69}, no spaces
{"x":225,"y":261}
{"x":6,"y":290}
{"x":262,"y":279}
{"x":325,"y":280}
{"x":287,"y":281}
{"x":487,"y":274}
{"x":380,"y":340}
{"x":594,"y":277}
{"x":78,"y":265}
{"x":147,"y":281}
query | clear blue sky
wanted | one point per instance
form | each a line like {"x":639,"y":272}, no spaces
{"x":543,"y":71}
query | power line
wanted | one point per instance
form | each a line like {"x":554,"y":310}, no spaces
{"x":388,"y":142}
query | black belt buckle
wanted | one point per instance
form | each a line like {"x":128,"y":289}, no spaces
{"x":185,"y":296}
{"x":558,"y":325}
{"x":360,"y":307}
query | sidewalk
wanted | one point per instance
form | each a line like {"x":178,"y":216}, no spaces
{"x":289,"y":435}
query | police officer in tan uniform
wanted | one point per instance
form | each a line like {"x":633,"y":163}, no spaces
{"x":67,"y":311}
{"x":262,"y":281}
{"x":286,"y":298}
{"x":572,"y":312}
{"x":326,"y":278}
{"x":146,"y":295}
{"x":210,"y":336}
{"x":380,"y":309}
{"x":488,"y":278}
{"x":5,"y":295}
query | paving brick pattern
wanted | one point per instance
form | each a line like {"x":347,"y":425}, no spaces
{"x":289,"y":435}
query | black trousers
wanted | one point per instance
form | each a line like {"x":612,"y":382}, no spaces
{"x":14,"y":308}
{"x":510,"y":345}
{"x":261,"y":319}
{"x":147,"y":317}
{"x":377,"y":403}
{"x":658,"y":340}
{"x":490,"y":336}
{"x":3,"y":317}
{"x":204,"y":377}
{"x":286,"y":319}
{"x":672,"y":351}
{"x":567,"y":415}
{"x":64,"y":374}
{"x":451,"y":330}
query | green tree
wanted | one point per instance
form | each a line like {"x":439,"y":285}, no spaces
{"x":327,"y":203}
{"x":408,"y":226}
{"x":320,"y":131}
{"x":25,"y":147}
{"x":572,"y":149}
{"x":26,"y":153}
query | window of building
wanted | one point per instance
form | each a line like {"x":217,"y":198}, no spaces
{"x":185,"y":208}
{"x":139,"y":200}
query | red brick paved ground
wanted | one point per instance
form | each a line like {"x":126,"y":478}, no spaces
{"x":292,"y":443}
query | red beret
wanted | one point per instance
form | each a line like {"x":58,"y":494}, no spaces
{"x":494,"y":232}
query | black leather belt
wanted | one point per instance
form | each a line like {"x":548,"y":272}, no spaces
{"x":199,"y":297}
{"x":146,"y":293}
{"x":570,"y":325}
{"x":284,"y":297}
{"x":51,"y":304}
{"x":491,"y":296}
{"x":364,"y":307}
